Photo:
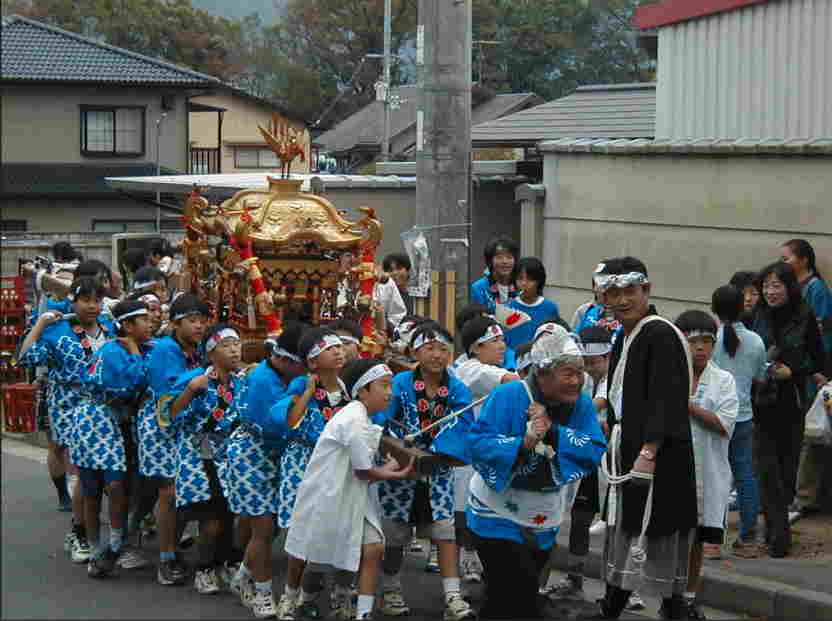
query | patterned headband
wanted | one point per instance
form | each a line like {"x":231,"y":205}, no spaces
{"x":491,"y":333}
{"x":330,"y":340}
{"x":151,"y":300}
{"x":545,"y":328}
{"x":345,"y":338}
{"x":278,"y":351}
{"x":524,"y":361}
{"x":145,"y":284}
{"x":216,"y":339}
{"x":371,"y":375}
{"x":607,"y":281}
{"x":429,"y":337}
{"x":700,"y":333}
{"x":595,"y":349}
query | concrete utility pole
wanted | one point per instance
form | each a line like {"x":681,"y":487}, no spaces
{"x":385,"y":141}
{"x":443,"y":135}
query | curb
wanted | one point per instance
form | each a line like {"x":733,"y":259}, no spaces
{"x":735,"y":592}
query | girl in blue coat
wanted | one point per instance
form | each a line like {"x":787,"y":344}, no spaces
{"x":497,"y":286}
{"x":530,"y":306}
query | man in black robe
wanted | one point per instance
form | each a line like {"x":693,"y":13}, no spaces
{"x":648,"y":391}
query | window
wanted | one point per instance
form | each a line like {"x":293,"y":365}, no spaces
{"x":112,"y":132}
{"x":13,"y":226}
{"x":254,"y":157}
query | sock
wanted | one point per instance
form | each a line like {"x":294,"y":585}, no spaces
{"x":391,"y":582}
{"x":71,"y":482}
{"x":243,"y":573}
{"x":60,"y":486}
{"x":307,"y":596}
{"x":263,"y":587}
{"x":364,"y":606}
{"x":291,"y":592}
{"x":116,"y":539}
{"x":451,"y":587}
{"x":167,"y":556}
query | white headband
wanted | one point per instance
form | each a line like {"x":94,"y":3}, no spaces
{"x":277,"y":350}
{"x":349,"y":339}
{"x":372,"y":374}
{"x":216,"y":339}
{"x":133,"y":313}
{"x":330,"y":340}
{"x":545,"y":328}
{"x":595,"y":349}
{"x":555,"y":349}
{"x":145,"y":284}
{"x":186,"y":313}
{"x":696,"y":333}
{"x":427,"y":337}
{"x":606,"y":281}
{"x":493,"y":331}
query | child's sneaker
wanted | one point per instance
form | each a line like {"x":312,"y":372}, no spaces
{"x":393,"y":604}
{"x":205,"y":581}
{"x":262,"y":605}
{"x":286,"y":608}
{"x":635,"y":602}
{"x":81,"y":551}
{"x":471,"y":568}
{"x":570,"y":587}
{"x":103,"y":566}
{"x":457,"y":609}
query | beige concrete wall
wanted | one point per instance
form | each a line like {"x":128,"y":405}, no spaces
{"x":43,"y":123}
{"x":694,"y":220}
{"x":52,"y":215}
{"x":239,"y":126}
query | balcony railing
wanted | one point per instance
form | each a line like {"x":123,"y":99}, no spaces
{"x":204,"y":161}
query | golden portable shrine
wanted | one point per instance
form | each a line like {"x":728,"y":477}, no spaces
{"x":266,"y":255}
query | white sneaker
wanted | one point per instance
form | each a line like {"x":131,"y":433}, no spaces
{"x":237,"y":585}
{"x":130,"y":558}
{"x":470,"y":566}
{"x":226,"y":573}
{"x":205,"y":581}
{"x":457,"y":609}
{"x":416,"y":546}
{"x":286,"y":608}
{"x":81,"y":551}
{"x":598,"y":528}
{"x":263,"y":606}
{"x":393,"y":604}
{"x":247,"y":595}
{"x":635,"y":602}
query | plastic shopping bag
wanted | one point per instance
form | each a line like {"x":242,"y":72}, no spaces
{"x":818,"y":420}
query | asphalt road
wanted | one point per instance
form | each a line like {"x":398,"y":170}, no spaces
{"x":39,"y":582}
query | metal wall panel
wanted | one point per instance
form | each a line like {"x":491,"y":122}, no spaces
{"x":764,"y":71}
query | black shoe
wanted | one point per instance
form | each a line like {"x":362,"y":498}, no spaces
{"x":104,"y":566}
{"x":170,"y":573}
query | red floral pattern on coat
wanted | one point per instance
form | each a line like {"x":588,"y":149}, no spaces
{"x":539,"y":519}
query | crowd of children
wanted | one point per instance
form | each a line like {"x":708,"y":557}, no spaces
{"x":150,"y":404}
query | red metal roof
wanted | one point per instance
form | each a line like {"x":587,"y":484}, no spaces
{"x":674,"y":11}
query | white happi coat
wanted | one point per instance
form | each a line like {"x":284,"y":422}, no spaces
{"x":332,"y":503}
{"x":717,"y":393}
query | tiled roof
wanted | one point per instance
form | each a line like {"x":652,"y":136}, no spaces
{"x":34,"y":52}
{"x":365,"y":127}
{"x":41,"y":180}
{"x":602,"y":111}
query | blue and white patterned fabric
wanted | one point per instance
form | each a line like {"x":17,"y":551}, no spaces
{"x":158,"y":455}
{"x":116,"y":379}
{"x":396,"y":497}
{"x":505,"y":466}
{"x":255,"y":448}
{"x":302,"y":441}
{"x":59,"y":348}
{"x":192,"y":483}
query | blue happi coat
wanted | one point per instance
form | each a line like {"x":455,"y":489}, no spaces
{"x":115,"y":381}
{"x":483,"y":291}
{"x":301,"y":442}
{"x":501,"y":461}
{"x":396,"y":497}
{"x":539,"y":313}
{"x":166,"y":363}
{"x":59,"y":348}
{"x":255,"y":448}
{"x":191,"y":425}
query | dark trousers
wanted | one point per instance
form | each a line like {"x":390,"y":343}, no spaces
{"x":776,"y":458}
{"x":512,"y":573}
